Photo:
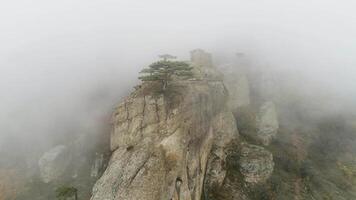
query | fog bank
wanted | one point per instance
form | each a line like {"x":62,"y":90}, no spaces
{"x":64,"y":64}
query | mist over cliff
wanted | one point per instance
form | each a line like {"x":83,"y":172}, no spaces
{"x":65,"y":65}
{"x":55,"y":56}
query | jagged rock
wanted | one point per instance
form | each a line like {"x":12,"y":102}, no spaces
{"x":226,"y":134}
{"x":267,"y":123}
{"x":256,"y":163}
{"x":159,"y":141}
{"x":53,"y":163}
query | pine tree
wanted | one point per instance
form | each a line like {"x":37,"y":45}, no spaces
{"x":164,"y":70}
{"x":166,"y":57}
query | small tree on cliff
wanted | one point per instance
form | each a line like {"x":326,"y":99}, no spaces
{"x":164,"y":70}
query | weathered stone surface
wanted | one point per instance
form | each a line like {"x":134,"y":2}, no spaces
{"x":183,"y":145}
{"x":135,"y":117}
{"x":226,"y":133}
{"x":256,"y":163}
{"x":53,"y":163}
{"x":161,"y":142}
{"x":267,"y":123}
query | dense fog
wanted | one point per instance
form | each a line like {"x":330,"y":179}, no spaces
{"x":65,"y":64}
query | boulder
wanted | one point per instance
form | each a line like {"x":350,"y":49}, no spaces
{"x":53,"y":163}
{"x":256,"y":163}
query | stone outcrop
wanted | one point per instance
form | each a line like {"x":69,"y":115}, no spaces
{"x":236,"y":170}
{"x":236,"y":81}
{"x":201,"y":58}
{"x":203,"y":66}
{"x":256,"y":163}
{"x":161,"y":145}
{"x":53,"y":163}
{"x":226,"y":139}
{"x":180,"y":145}
{"x":267,"y":123}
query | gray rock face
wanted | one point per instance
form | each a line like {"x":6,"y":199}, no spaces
{"x":203,"y":66}
{"x":53,"y":163}
{"x":201,"y":58}
{"x":239,"y":92}
{"x":161,"y":146}
{"x":183,"y":145}
{"x":267,"y":123}
{"x":226,"y":134}
{"x":236,"y":81}
{"x":256,"y":163}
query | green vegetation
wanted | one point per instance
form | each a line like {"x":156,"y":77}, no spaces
{"x":163,"y":71}
{"x":166,"y":57}
{"x":65,"y":192}
{"x":349,"y":171}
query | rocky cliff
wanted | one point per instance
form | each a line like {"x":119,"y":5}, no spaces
{"x":180,"y":144}
{"x":161,"y":145}
{"x":233,"y":132}
{"x":229,"y":133}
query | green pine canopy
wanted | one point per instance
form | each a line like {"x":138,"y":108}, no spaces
{"x":164,"y":70}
